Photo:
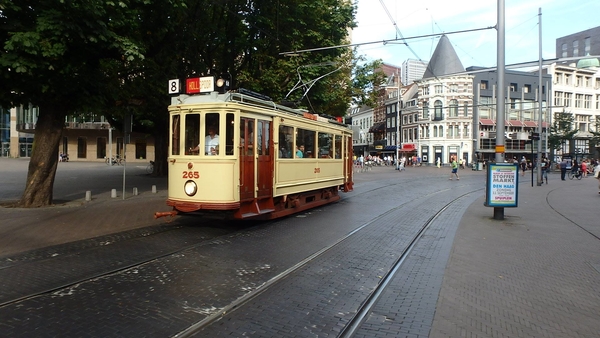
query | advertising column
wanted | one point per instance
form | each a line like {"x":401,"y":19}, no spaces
{"x":502,"y":185}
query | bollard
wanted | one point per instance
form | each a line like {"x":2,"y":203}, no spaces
{"x":135,"y":191}
{"x":113,"y":193}
{"x":88,"y":195}
{"x":154,"y":189}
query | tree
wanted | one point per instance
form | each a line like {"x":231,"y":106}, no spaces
{"x":53,"y":53}
{"x":114,"y":58}
{"x":562,"y":131}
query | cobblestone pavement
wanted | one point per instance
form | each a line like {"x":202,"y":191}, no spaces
{"x":534,"y":274}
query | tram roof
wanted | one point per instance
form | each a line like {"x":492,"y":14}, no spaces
{"x":245,"y":99}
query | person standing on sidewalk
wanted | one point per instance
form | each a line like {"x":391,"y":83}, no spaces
{"x":454,"y":165}
{"x":545,"y":168}
{"x":563,"y":169}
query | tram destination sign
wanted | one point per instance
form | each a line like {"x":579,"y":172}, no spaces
{"x":502,"y":185}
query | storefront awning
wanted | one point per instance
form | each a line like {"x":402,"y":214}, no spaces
{"x":408,"y":147}
{"x":486,"y":122}
{"x":530,"y":124}
{"x":515,"y":123}
{"x":389,"y":148}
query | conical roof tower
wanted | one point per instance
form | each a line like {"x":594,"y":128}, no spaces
{"x":444,"y":60}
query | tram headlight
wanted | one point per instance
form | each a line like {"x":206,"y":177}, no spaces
{"x":190,"y":188}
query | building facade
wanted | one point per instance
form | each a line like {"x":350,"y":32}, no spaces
{"x":86,"y":137}
{"x":576,"y":90}
{"x":413,"y":70}
{"x":582,"y":43}
{"x":522,"y":112}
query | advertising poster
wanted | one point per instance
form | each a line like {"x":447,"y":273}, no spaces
{"x":502,"y":185}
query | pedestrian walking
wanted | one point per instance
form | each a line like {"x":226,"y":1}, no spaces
{"x":597,"y":175}
{"x":454,"y":165}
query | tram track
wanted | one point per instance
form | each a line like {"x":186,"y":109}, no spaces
{"x":383,"y":189}
{"x":364,"y":308}
{"x":18,"y":267}
{"x":74,"y":249}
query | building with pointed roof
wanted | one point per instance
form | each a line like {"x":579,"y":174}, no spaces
{"x":444,"y":60}
{"x":445,"y":97}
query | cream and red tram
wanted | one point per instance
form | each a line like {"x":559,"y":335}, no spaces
{"x":268,"y":160}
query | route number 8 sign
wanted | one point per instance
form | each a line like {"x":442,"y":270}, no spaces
{"x":174,"y":86}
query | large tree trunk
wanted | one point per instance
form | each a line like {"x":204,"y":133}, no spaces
{"x":160,"y":152}
{"x":44,"y":158}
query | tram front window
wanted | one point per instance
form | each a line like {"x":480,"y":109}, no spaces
{"x":192,"y":133}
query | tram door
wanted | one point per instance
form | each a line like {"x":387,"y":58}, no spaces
{"x":246,"y":158}
{"x":259,"y":147}
{"x":348,"y":164}
{"x":264,"y":150}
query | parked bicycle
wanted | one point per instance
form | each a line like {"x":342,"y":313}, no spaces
{"x":150,"y":167}
{"x":115,"y":160}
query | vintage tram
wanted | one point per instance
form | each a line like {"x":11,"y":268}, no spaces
{"x":237,"y":154}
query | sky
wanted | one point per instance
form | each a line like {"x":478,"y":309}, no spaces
{"x":415,"y":19}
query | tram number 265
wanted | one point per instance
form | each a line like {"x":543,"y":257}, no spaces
{"x":191,"y":174}
{"x":317,"y":170}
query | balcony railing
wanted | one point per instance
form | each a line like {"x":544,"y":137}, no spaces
{"x":87,"y":125}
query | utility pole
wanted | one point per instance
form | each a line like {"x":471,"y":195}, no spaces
{"x":540,"y":100}
{"x":500,"y":150}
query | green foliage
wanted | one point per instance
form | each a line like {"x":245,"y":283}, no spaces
{"x":54,"y":49}
{"x":562,"y":130}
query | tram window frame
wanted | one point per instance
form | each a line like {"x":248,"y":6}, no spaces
{"x":175,"y":134}
{"x":212,"y":120}
{"x":325,"y":145}
{"x":337,"y":147}
{"x":306,"y":138}
{"x":192,"y":133}
{"x":286,"y":142}
{"x":229,"y":133}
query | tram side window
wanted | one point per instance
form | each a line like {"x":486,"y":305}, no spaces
{"x":175,"y":137}
{"x":211,"y":137}
{"x":192,"y":133}
{"x":286,"y":141}
{"x":264,"y":137}
{"x":325,"y":145}
{"x":229,"y":134}
{"x":305,"y":143}
{"x":338,"y":147}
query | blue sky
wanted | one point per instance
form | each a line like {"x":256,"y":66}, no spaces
{"x":425,"y":17}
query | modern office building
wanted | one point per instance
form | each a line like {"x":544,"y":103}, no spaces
{"x":582,"y":43}
{"x":413,"y":70}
